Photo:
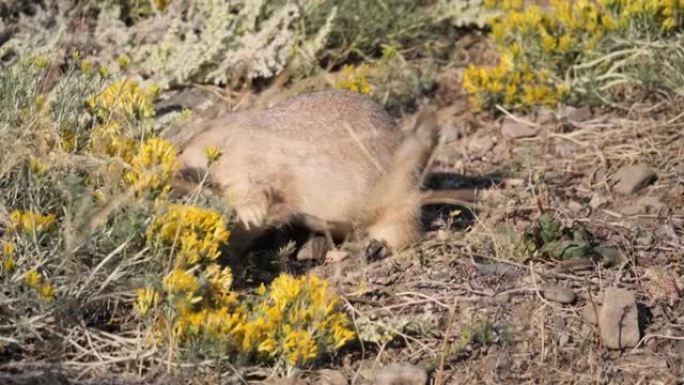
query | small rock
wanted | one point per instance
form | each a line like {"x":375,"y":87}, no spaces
{"x":512,"y":129}
{"x":611,"y":256}
{"x":502,"y":298}
{"x":679,"y":348}
{"x":559,"y":294}
{"x":314,"y":249}
{"x":401,"y":374}
{"x":652,"y":204}
{"x":499,"y":269}
{"x":335,"y":256}
{"x":481,"y":144}
{"x":589,"y":315}
{"x":575,"y":115}
{"x":544,"y":115}
{"x":597,"y":201}
{"x":330,"y":377}
{"x":574,"y":206}
{"x":645,"y":205}
{"x":618,"y":319}
{"x":632,"y":178}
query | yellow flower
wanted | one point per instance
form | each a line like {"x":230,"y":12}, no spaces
{"x":220,"y":278}
{"x":126,"y":98}
{"x":161,"y":4}
{"x":147,"y":298}
{"x":185,"y":113}
{"x":8,"y":249}
{"x":47,"y":291}
{"x":104,"y":71}
{"x":30,"y":221}
{"x":300,"y":347}
{"x":68,"y":140}
{"x":213,"y":153}
{"x":33,"y":279}
{"x":37,"y":167}
{"x":355,"y":79}
{"x":180,"y":281}
{"x":110,"y":140}
{"x":8,"y":264}
{"x":86,"y":67}
{"x":196,"y":233}
{"x":123,"y":61}
{"x":40,"y":62}
{"x":153,"y":165}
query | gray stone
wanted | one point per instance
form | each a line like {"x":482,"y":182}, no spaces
{"x":481,"y":144}
{"x":597,"y":201}
{"x":512,"y":129}
{"x":314,"y":249}
{"x":576,"y":115}
{"x":401,"y":374}
{"x":558,"y":294}
{"x":618,"y":319}
{"x":589,"y":315}
{"x":330,"y":377}
{"x":632,"y":178}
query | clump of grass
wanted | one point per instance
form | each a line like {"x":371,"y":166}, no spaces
{"x":575,"y":52}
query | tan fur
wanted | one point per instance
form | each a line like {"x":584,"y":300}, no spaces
{"x":333,"y":160}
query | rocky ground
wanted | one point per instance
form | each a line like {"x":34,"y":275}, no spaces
{"x":600,"y":304}
{"x":470,"y":306}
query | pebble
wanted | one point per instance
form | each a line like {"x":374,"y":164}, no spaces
{"x":314,"y":249}
{"x":512,"y":129}
{"x":481,"y":145}
{"x":559,"y":294}
{"x":597,"y":201}
{"x":401,"y":374}
{"x":618,"y":319}
{"x":632,"y":178}
{"x":330,"y":377}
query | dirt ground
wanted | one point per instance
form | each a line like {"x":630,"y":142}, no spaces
{"x":466,"y":277}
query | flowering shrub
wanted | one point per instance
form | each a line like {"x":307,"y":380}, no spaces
{"x":549,"y":56}
{"x":295,"y":319}
{"x":95,"y":176}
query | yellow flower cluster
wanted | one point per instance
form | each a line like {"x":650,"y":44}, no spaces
{"x":195,"y":232}
{"x":667,"y":14}
{"x":35,"y":281}
{"x":297,"y":318}
{"x":8,"y":261}
{"x":30,"y":222}
{"x":355,"y":79}
{"x":123,"y":98}
{"x":153,"y":162}
{"x":538,"y":47}
{"x":153,"y":165}
{"x":109,"y":139}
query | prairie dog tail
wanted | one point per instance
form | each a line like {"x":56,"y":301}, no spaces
{"x":460,"y":197}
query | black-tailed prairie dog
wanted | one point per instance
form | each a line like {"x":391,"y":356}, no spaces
{"x":332,"y":160}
